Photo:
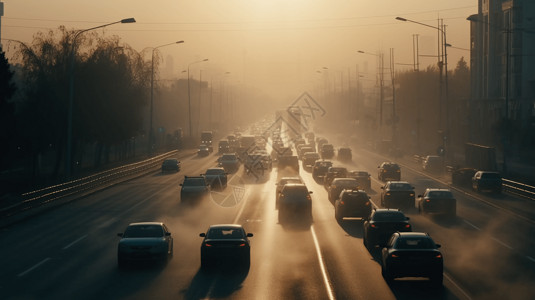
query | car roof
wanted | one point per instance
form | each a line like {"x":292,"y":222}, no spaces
{"x":294,"y":185}
{"x":413,"y":234}
{"x":145,"y":223}
{"x":290,"y":178}
{"x":437,"y":190}
{"x":226,"y":226}
{"x":345,"y":179}
{"x":381,"y":210}
{"x":217,"y":168}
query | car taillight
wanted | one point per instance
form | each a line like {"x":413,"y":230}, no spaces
{"x":411,"y":194}
{"x":342,"y":203}
{"x":438,"y":255}
{"x":308,"y":197}
{"x":367,"y":203}
{"x":388,"y":194}
{"x":394,"y":255}
{"x":242,"y":245}
{"x":333,"y":186}
{"x":427,"y":200}
{"x":407,"y":226}
{"x":208,"y":245}
{"x":373,"y":226}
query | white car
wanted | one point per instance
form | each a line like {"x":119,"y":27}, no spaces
{"x":144,"y":241}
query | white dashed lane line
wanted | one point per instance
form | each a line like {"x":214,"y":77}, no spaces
{"x":69,"y":245}
{"x":34,"y":267}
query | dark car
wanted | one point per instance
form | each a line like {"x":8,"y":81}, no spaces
{"x":225,"y":243}
{"x":288,"y":164}
{"x":282,"y":182}
{"x":144,"y":241}
{"x":332,"y":173}
{"x":382,"y":224}
{"x":327,"y":151}
{"x":463,"y":176}
{"x":412,"y":254}
{"x":295,"y":203}
{"x":389,"y":171}
{"x":432,"y":164}
{"x":363,"y":178}
{"x":309,"y":159}
{"x":304,"y":149}
{"x":229,"y":162}
{"x":344,"y":154}
{"x":352,"y":204}
{"x":204,"y":150}
{"x":320,"y":169}
{"x":170,"y":165}
{"x":437,"y":201}
{"x":193,"y":188}
{"x":397,"y":194}
{"x":223,"y":146}
{"x":339,"y":184}
{"x":216,"y":178}
{"x":487,"y":181}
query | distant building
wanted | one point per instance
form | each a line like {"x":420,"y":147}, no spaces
{"x":502,"y":66}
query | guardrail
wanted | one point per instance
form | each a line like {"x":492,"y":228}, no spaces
{"x":82,"y":186}
{"x":518,"y":188}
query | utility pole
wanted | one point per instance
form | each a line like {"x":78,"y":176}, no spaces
{"x":392,"y":76}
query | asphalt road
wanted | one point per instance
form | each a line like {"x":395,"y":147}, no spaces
{"x":70,"y":252}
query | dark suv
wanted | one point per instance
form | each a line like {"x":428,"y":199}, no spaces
{"x":327,"y":151}
{"x":487,"y":181}
{"x":321,"y":168}
{"x":382,"y":224}
{"x":389,"y":171}
{"x":397,"y":194}
{"x":332,"y":173}
{"x":437,"y":201}
{"x":295,"y":203}
{"x":352,"y":204}
{"x":193,"y":188}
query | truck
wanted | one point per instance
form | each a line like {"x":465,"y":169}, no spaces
{"x":207,"y":139}
{"x":480,"y":157}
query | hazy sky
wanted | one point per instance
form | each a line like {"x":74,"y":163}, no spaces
{"x":277,"y":45}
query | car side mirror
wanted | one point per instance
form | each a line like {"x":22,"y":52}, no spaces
{"x":168,"y":234}
{"x":438,"y":245}
{"x":310,"y":192}
{"x":180,"y":184}
{"x":120,"y":234}
{"x":249,"y":235}
{"x":407,"y":218}
{"x":202,"y":234}
{"x":382,"y":188}
{"x":419,"y":196}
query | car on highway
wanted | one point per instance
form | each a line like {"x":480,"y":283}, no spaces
{"x":344,"y":154}
{"x":432,"y":163}
{"x":397,"y":194}
{"x":320,"y":169}
{"x":204,"y":150}
{"x":223,"y":147}
{"x":412,"y":254}
{"x":230,"y":162}
{"x":302,"y":149}
{"x":362,"y":177}
{"x":463,"y":176}
{"x":281,"y":183}
{"x":389,"y":171}
{"x":225,"y":243}
{"x":352,"y":204}
{"x":327,"y":151}
{"x":332,"y":173}
{"x":437,"y":201}
{"x":216,"y":178}
{"x":295,"y":204}
{"x":193,"y":188}
{"x":484,"y":181}
{"x":338,"y":185}
{"x":170,"y":165}
{"x":309,"y":159}
{"x":383,"y":222}
{"x":144,"y":241}
{"x":288,"y":164}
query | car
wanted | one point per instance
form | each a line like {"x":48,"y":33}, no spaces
{"x":229,"y":162}
{"x":304,"y":149}
{"x":341,"y":183}
{"x":144,"y":241}
{"x":309,"y":159}
{"x":193,"y":188}
{"x":487,"y":181}
{"x":332,"y":173}
{"x":320,"y":169}
{"x":432,"y":163}
{"x":223,"y":146}
{"x":344,"y":154}
{"x":383,"y":222}
{"x":204,"y":150}
{"x":170,"y":164}
{"x":295,"y":203}
{"x":463,"y":176}
{"x":412,"y":254}
{"x":216,"y":178}
{"x":288,"y":164}
{"x":352,"y":204}
{"x":362,"y":177}
{"x":225,"y":243}
{"x":397,"y":194}
{"x":309,"y":136}
{"x":327,"y":151}
{"x":389,"y":171}
{"x":282,"y":182}
{"x":437,"y":201}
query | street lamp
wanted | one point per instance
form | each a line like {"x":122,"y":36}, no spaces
{"x":152,"y":93}
{"x":68,"y":156}
{"x":189,"y":97}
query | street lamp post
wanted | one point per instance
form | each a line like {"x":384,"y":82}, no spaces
{"x":189,"y":97}
{"x":68,"y":156}
{"x":149,"y":151}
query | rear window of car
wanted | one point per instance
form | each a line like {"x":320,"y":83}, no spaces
{"x":355,"y":197}
{"x":225,"y":233}
{"x":440,"y":194}
{"x":139,"y":231}
{"x":215,"y":172}
{"x":228,"y":157}
{"x":293,"y":191}
{"x":194,"y":182}
{"x":414,"y":243}
{"x":346,"y":182}
{"x":390,"y":167}
{"x":393,"y":216}
{"x":400,"y":186}
{"x":324,"y":164}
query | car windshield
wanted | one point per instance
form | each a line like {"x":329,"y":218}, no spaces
{"x":141,"y":231}
{"x":400,"y":186}
{"x":225,"y":233}
{"x":440,"y":194}
{"x":194,"y":182}
{"x":228,"y":157}
{"x":414,"y":243}
{"x":391,"y":216}
{"x":215,"y":172}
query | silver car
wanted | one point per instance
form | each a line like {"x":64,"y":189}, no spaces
{"x":144,"y":241}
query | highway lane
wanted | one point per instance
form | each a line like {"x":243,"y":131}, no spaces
{"x":71,"y":252}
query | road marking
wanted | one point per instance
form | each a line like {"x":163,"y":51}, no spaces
{"x":502,"y":243}
{"x":34,"y":267}
{"x":472,"y":225}
{"x":530,"y":258}
{"x":457,"y":286}
{"x":69,"y":245}
{"x":322,"y":265}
